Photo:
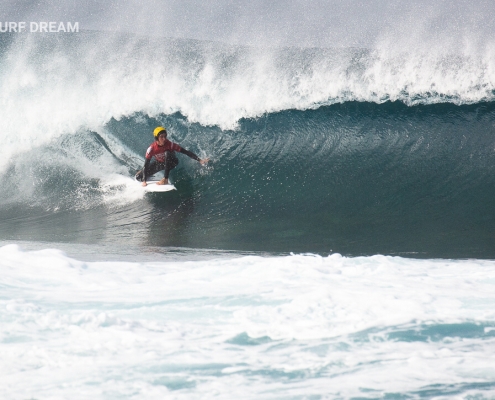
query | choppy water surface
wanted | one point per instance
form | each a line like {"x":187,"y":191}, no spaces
{"x":300,"y":326}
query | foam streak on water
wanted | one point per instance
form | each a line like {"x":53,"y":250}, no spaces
{"x":251,"y":327}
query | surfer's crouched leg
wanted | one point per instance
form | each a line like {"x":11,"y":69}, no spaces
{"x":150,"y":170}
{"x":171,"y":162}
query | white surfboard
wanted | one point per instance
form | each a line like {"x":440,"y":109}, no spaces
{"x":153,"y":187}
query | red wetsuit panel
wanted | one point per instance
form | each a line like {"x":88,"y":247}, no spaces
{"x":159,"y":151}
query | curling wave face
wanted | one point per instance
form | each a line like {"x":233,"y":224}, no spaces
{"x":353,"y":150}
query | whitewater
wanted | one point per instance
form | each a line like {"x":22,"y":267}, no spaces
{"x":339,"y":245}
{"x":297,"y":326}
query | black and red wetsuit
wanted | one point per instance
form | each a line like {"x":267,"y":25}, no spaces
{"x":165,"y":159}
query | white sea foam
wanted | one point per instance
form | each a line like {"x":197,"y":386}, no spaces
{"x":249,"y":327}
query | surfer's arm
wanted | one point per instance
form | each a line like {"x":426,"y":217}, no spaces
{"x":194,"y":156}
{"x":189,"y":154}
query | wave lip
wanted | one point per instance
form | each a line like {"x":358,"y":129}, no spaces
{"x":61,"y":84}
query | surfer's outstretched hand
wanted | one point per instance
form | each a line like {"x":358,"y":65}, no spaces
{"x":204,"y":161}
{"x":144,"y":184}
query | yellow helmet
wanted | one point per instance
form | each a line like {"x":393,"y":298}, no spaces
{"x":158,"y":130}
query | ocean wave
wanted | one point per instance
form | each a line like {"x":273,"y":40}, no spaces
{"x":358,"y":178}
{"x":57,"y":85}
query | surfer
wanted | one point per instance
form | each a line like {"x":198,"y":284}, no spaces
{"x":165,"y":159}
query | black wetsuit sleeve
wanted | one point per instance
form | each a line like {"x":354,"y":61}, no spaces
{"x":146,"y":168}
{"x":190,"y":154}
